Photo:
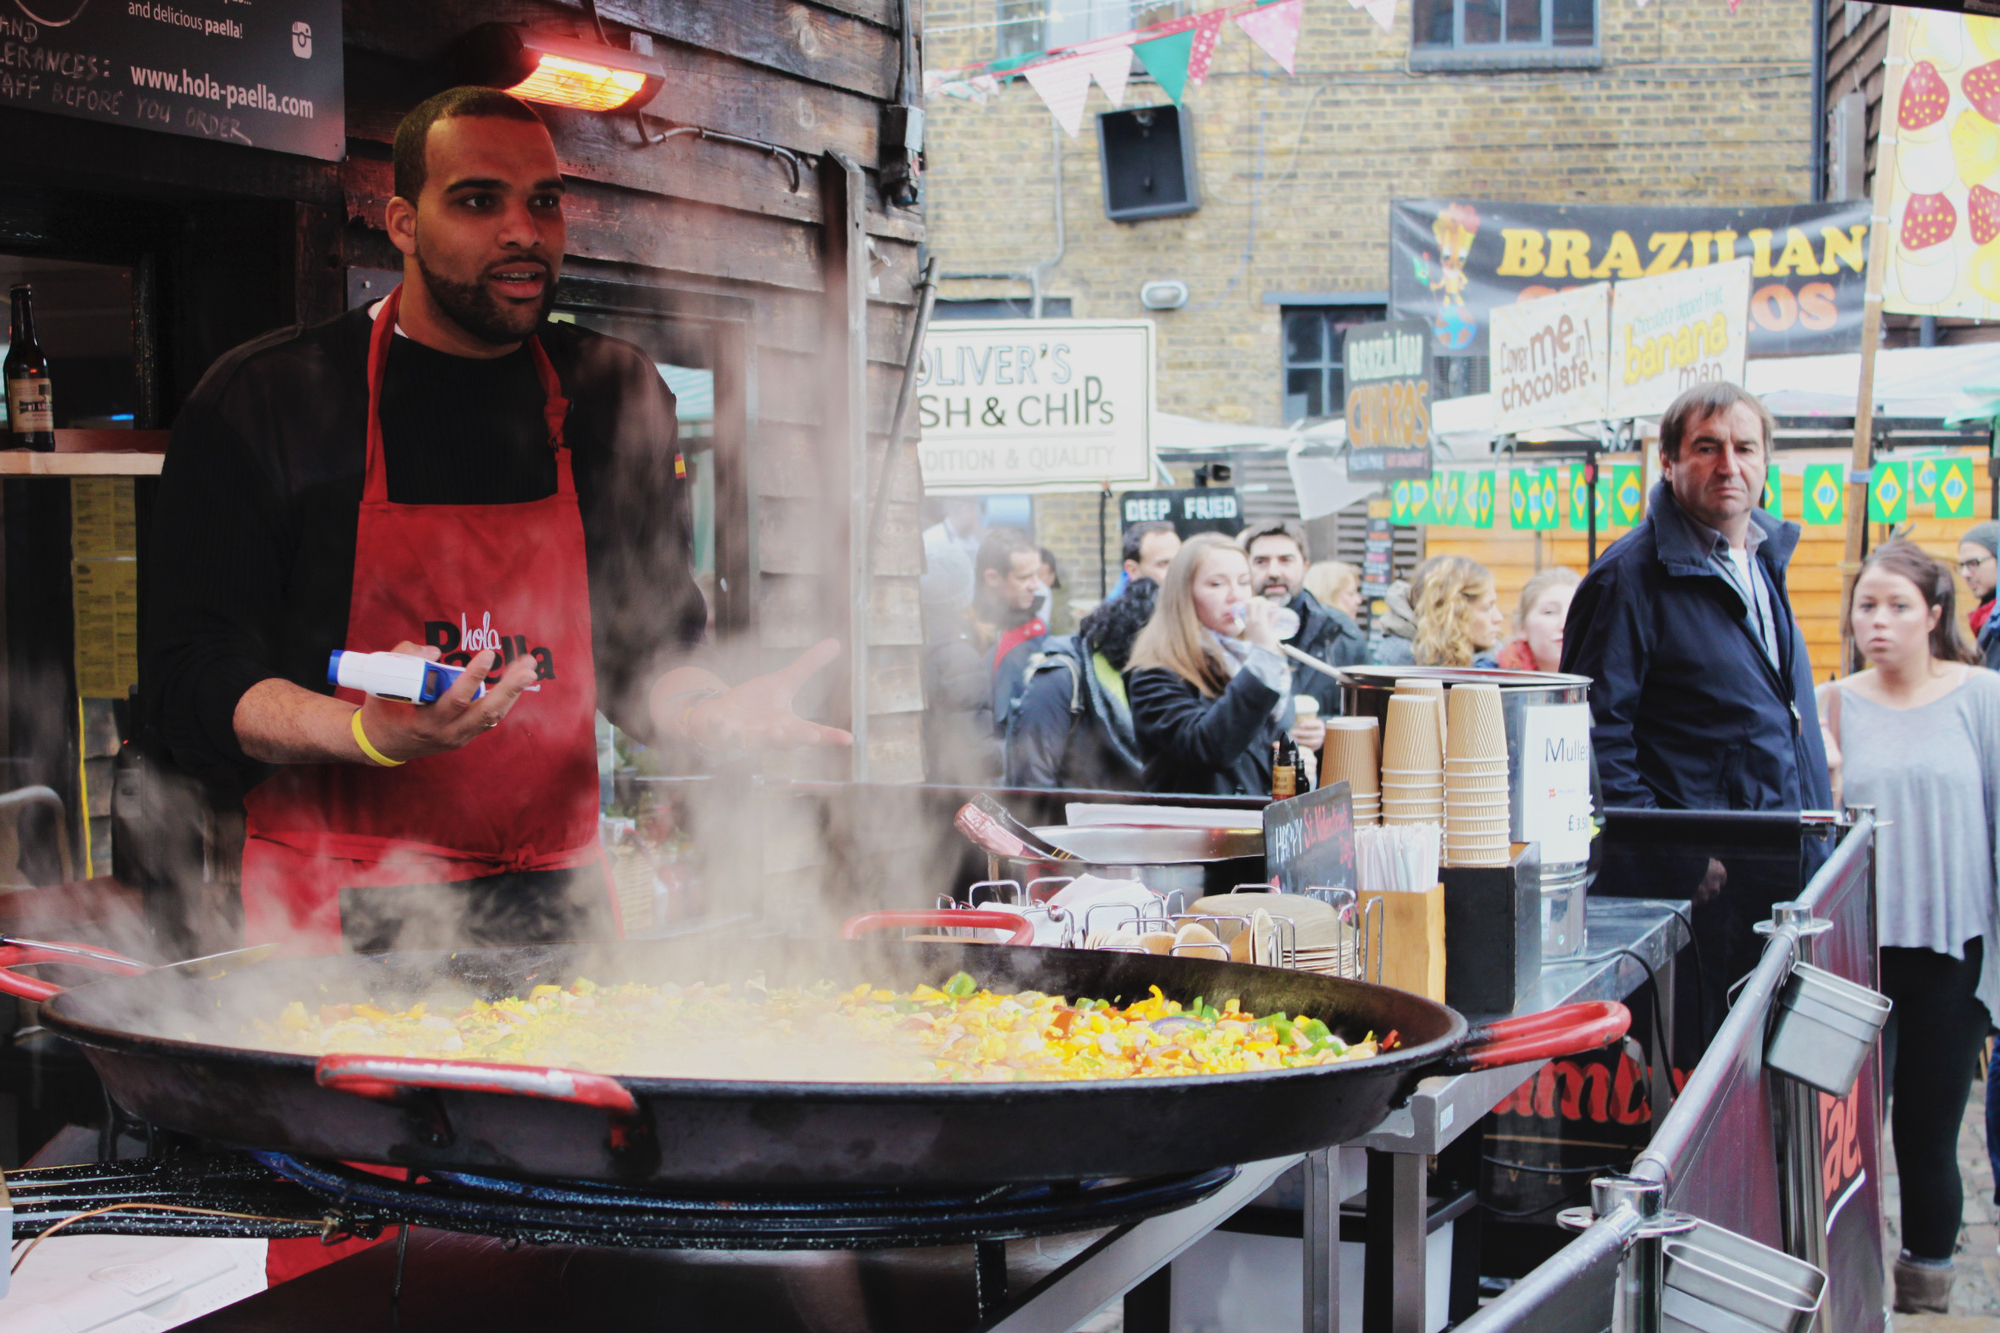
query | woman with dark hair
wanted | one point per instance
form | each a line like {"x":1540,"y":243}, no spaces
{"x":1073,"y":726}
{"x":1210,"y":692}
{"x":1917,"y":736}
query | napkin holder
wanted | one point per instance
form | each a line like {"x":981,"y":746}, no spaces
{"x":1411,"y":939}
{"x":1495,"y":914}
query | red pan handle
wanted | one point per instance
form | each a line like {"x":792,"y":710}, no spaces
{"x":984,"y":918}
{"x":1569,"y":1029}
{"x":25,"y":987}
{"x":384,"y":1077}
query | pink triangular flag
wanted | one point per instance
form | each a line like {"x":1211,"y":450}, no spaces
{"x":1276,"y":29}
{"x":1382,"y":11}
{"x":1206,"y":33}
{"x":1111,"y":67}
{"x":1063,"y":85}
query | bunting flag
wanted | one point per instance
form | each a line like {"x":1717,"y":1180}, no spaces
{"x":1774,"y":493}
{"x":1063,"y":85}
{"x":1423,"y":501}
{"x":1275,"y":28}
{"x":1534,"y":500}
{"x":1889,"y":493}
{"x":1954,"y":488}
{"x":1477,"y":505}
{"x":1382,"y":11}
{"x":1166,"y":59}
{"x":1628,"y":494}
{"x":1823,"y":497}
{"x":1579,"y":499}
{"x":1518,"y":490}
{"x":1446,"y":489}
{"x":1399,"y":505}
{"x":1111,"y":67}
{"x":1923,"y":482}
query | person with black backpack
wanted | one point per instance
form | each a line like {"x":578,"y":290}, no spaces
{"x":1073,"y":727}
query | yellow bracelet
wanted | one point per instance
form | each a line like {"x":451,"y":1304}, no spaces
{"x":361,"y":739}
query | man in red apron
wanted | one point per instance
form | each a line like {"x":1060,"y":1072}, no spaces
{"x":445,"y":473}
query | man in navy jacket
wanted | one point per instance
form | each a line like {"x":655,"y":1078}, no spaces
{"x":1701,"y":694}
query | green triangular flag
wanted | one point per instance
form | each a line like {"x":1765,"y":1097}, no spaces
{"x":1954,"y":488}
{"x":1166,"y":59}
{"x":1824,"y":494}
{"x":1889,"y":493}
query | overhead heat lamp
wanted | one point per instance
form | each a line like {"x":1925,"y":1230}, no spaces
{"x":557,"y":71}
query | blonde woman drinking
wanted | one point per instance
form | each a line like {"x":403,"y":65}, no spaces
{"x":1210,"y":691}
{"x":1917,"y":736}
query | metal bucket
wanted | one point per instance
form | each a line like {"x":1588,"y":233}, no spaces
{"x":1826,"y":1027}
{"x":1365,"y":692}
{"x":1196,"y":861}
{"x":1720,"y":1282}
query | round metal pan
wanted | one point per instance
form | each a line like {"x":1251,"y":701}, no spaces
{"x":163,"y":1043}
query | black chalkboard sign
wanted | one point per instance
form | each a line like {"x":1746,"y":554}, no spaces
{"x":1309,"y":840}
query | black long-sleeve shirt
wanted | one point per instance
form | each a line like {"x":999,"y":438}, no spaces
{"x":250,"y":563}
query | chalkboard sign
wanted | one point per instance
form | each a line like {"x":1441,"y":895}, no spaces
{"x":1190,"y":510}
{"x":1309,"y":840}
{"x":266,"y":76}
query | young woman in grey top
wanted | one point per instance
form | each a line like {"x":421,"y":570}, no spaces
{"x":1917,"y":736}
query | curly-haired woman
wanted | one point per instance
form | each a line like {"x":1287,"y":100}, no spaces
{"x":1459,"y":620}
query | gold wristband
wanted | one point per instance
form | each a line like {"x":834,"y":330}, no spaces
{"x":361,"y":739}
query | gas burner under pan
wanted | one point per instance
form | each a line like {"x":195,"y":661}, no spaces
{"x":594,"y":1214}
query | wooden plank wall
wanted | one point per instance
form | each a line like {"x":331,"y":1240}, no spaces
{"x":708,"y":218}
{"x":1813,"y":579}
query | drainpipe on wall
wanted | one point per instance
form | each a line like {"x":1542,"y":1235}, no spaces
{"x":1819,"y":101}
{"x":1035,"y":277}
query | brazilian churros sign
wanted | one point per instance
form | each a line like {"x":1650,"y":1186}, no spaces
{"x":1453,"y":262}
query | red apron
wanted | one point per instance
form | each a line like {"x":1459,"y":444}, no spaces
{"x":521,"y":797}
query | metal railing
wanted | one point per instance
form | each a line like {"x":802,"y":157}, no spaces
{"x":1615,"y":1273}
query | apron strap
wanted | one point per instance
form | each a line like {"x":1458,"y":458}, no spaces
{"x":555,"y":407}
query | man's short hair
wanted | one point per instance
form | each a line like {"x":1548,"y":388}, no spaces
{"x":1135,"y":538}
{"x":1702,"y":402}
{"x":413,"y":135}
{"x":1276,"y":527}
{"x":997,"y":550}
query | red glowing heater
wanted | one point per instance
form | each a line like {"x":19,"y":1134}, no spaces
{"x":557,"y":71}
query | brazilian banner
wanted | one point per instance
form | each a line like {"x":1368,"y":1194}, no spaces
{"x":1451,"y":261}
{"x":1628,"y":494}
{"x":1889,"y":493}
{"x":1774,"y":493}
{"x":1954,"y":488}
{"x":1423,"y":501}
{"x":1823,"y":497}
{"x":1399,"y":505}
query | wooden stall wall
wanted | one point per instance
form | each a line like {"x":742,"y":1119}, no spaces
{"x":714,"y":222}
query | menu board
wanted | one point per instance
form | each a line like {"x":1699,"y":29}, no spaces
{"x":104,"y":585}
{"x":265,"y":75}
{"x":1309,"y":840}
{"x":1389,"y":400}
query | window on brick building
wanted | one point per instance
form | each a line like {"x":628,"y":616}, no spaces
{"x":1533,"y":31}
{"x":1315,"y":351}
{"x":1028,"y":26}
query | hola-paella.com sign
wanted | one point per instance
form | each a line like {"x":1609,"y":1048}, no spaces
{"x":1035,"y":405}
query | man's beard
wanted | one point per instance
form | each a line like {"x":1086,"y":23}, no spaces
{"x":1279,"y":586}
{"x":477,"y":311}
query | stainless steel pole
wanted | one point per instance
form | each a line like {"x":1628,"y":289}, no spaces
{"x":1635,"y":1300}
{"x":1801,"y":1196}
{"x":1322,"y":1242}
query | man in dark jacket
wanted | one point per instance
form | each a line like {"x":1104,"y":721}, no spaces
{"x":1701,"y":695}
{"x":1279,"y":557}
{"x":1979,"y":566}
{"x":1073,"y":725}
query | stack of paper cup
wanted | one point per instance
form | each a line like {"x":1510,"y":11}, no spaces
{"x":1353,"y":756}
{"x":1430,"y":689}
{"x":1412,"y":762}
{"x":1475,"y":779}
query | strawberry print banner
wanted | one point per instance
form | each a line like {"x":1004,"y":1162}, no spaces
{"x":1944,"y":200}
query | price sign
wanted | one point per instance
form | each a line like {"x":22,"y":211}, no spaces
{"x":1309,"y":840}
{"x":1555,"y":781}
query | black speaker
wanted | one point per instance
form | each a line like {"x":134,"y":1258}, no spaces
{"x":1148,"y":159}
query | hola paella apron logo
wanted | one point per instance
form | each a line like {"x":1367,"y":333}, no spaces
{"x":458,"y":644}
